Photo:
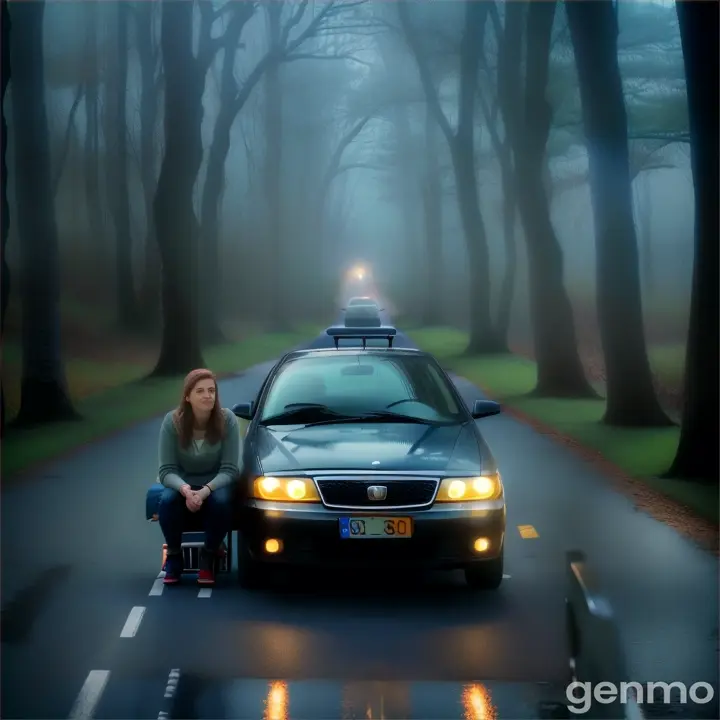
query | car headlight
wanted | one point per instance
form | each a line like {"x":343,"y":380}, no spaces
{"x":482,"y":487}
{"x":285,"y":489}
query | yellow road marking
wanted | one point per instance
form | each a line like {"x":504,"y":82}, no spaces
{"x":528,"y":532}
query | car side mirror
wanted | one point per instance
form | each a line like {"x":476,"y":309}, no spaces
{"x":244,"y":410}
{"x":485,"y":408}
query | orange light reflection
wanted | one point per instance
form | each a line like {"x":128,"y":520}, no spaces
{"x":276,"y":703}
{"x":477,"y":704}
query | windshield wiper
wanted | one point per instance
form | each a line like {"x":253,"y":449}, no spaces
{"x":380,"y":416}
{"x":296,"y":412}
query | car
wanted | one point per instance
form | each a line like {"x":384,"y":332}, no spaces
{"x":362,"y":316}
{"x":367,"y":457}
{"x":362,"y":300}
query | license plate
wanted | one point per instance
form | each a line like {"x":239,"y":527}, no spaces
{"x":353,"y":528}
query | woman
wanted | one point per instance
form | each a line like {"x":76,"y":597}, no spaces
{"x":199,"y":464}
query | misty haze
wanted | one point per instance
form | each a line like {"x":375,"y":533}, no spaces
{"x":457,"y":259}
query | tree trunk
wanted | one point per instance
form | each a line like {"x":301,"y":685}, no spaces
{"x":483,"y":338}
{"x":150,"y":294}
{"x":434,"y":271}
{"x":5,"y":208}
{"x":507,"y":83}
{"x":559,"y":369}
{"x":631,"y":398}
{"x":211,"y":280}
{"x":175,"y":222}
{"x":645,"y":228}
{"x":59,"y":166}
{"x":119,"y":192}
{"x":96,"y":223}
{"x":509,"y":212}
{"x":44,"y":394}
{"x":697,"y":454}
{"x":410,"y":268}
{"x":277,"y":312}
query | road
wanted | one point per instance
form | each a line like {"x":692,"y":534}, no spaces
{"x":79,"y":568}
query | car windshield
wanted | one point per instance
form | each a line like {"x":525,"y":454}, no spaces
{"x":356,"y":385}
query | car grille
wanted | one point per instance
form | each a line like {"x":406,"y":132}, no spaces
{"x":354,"y":493}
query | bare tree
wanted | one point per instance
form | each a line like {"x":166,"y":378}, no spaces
{"x":483,"y":337}
{"x":282,"y":47}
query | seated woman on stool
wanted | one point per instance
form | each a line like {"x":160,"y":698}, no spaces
{"x":199,"y":464}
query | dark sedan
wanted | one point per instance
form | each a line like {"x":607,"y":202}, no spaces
{"x":368,"y":457}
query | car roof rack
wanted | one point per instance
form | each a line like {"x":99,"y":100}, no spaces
{"x":338,"y":333}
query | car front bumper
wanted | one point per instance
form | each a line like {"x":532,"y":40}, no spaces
{"x":309,"y":535}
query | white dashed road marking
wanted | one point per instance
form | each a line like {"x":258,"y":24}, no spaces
{"x":172,"y":683}
{"x":158,"y":586}
{"x":133,"y":622}
{"x":90,"y":694}
{"x":205,"y":593}
{"x":506,"y":577}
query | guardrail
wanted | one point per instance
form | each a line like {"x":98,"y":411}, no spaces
{"x":595,"y":650}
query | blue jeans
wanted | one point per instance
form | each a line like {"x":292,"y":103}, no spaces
{"x":215,"y":518}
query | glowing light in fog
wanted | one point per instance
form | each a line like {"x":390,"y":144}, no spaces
{"x":276,"y":704}
{"x":476,"y":703}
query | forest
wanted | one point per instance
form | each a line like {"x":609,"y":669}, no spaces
{"x":534,"y":184}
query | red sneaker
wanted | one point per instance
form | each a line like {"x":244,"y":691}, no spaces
{"x":206,"y":572}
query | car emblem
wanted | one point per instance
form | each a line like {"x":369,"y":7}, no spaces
{"x":377,"y":492}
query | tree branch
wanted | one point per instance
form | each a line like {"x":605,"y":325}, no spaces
{"x":286,"y":45}
{"x":431,"y":94}
{"x":334,"y":164}
{"x":295,"y":18}
{"x":287,"y":48}
{"x":336,"y":56}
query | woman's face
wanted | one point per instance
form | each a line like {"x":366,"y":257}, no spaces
{"x":202,"y":397}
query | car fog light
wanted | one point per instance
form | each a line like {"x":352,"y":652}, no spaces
{"x":272,"y":546}
{"x":481,"y":545}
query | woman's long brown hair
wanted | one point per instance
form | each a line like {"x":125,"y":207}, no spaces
{"x":184,"y":418}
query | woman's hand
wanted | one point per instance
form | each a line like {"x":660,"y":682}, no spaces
{"x":202,"y":494}
{"x":192,"y":501}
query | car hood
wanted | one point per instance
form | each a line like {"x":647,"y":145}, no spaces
{"x":370,"y":446}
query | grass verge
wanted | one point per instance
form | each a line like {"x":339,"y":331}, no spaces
{"x":642,"y":453}
{"x":128,"y":398}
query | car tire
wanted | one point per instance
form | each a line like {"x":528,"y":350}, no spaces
{"x":487,"y":575}
{"x":251,"y":573}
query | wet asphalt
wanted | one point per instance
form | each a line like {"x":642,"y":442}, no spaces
{"x":80,"y":563}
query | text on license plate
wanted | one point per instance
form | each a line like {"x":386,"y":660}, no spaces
{"x":375,"y":527}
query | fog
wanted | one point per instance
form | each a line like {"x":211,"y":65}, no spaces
{"x":337,"y":156}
